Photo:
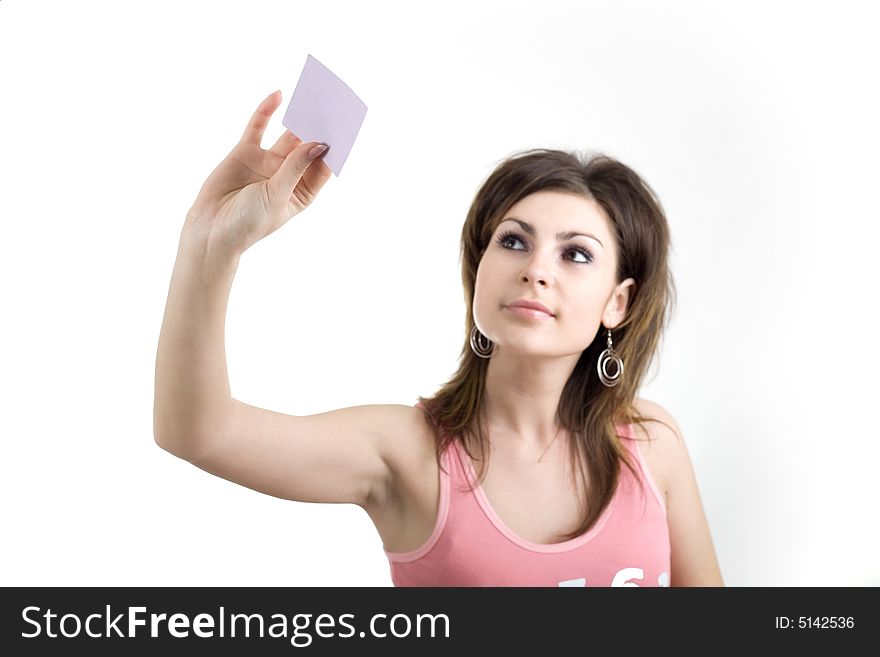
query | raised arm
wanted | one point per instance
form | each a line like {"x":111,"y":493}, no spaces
{"x":192,"y":399}
{"x":338,"y":456}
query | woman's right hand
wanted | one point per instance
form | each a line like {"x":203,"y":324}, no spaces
{"x":253,"y":192}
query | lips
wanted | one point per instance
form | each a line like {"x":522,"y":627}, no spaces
{"x":530,"y":305}
{"x":529,"y":313}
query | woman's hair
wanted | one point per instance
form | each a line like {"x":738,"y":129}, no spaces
{"x":587,"y":409}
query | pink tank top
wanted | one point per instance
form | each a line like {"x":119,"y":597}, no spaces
{"x":471,"y":546}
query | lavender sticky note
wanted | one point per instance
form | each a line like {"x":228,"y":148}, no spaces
{"x":324,"y":108}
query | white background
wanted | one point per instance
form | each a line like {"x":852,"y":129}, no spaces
{"x":755,"y":122}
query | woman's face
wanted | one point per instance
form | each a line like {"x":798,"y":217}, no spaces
{"x":572,"y":275}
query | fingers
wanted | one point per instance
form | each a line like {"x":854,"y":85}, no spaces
{"x":316,"y":175}
{"x":253,"y":134}
{"x":295,"y":168}
{"x":286,"y":143}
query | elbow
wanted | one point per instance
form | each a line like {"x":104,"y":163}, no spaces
{"x":164,"y":444}
{"x":170,"y":446}
{"x":160,"y":432}
{"x":172,"y":441}
{"x":160,"y":436}
{"x":185,"y":448}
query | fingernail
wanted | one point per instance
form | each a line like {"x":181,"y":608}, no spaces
{"x":317,"y":150}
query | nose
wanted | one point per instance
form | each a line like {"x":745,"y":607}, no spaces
{"x":535,"y":271}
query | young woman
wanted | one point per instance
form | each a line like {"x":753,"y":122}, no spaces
{"x":536,"y":464}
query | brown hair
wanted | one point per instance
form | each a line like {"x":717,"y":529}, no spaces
{"x":587,"y":409}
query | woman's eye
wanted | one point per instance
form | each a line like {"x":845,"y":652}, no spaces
{"x":505,"y":238}
{"x":586,"y":255}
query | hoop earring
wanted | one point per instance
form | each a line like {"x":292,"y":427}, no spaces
{"x":480,"y":344}
{"x":609,"y":356}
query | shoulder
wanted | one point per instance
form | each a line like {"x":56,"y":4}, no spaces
{"x":694,"y":562}
{"x":660,"y":418}
{"x":407,"y":448}
{"x":660,"y":442}
{"x":408,"y":434}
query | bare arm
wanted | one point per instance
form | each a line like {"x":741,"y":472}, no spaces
{"x":248,"y":196}
{"x":694,"y":562}
{"x":338,"y":456}
{"x":192,"y":396}
{"x":693,"y":558}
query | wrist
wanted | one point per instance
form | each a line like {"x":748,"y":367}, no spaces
{"x":197,"y":247}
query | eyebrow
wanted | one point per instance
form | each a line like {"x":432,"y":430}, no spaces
{"x":526,"y":226}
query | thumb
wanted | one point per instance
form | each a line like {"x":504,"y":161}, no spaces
{"x":285,"y":180}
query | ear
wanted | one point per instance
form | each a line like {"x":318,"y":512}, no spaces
{"x":615,"y":309}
